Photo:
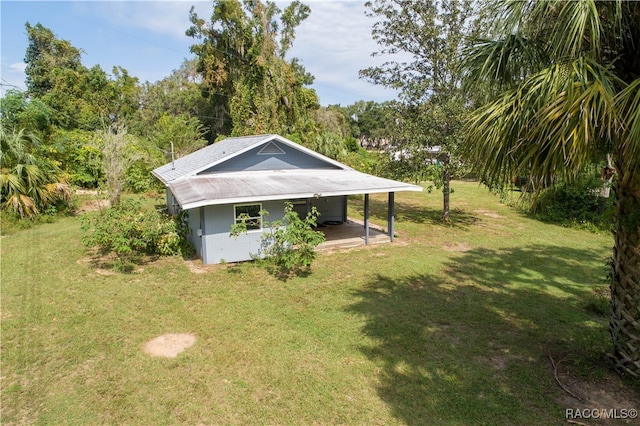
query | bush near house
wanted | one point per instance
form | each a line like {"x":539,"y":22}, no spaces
{"x":290,"y":243}
{"x":130,"y":231}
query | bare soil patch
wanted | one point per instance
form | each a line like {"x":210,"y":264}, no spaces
{"x":169,"y":345}
{"x":459,"y":247}
{"x":598,"y":398}
{"x":93,"y":205}
{"x":488,"y":213}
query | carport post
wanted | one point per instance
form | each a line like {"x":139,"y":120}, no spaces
{"x":366,"y":219}
{"x":390,"y":215}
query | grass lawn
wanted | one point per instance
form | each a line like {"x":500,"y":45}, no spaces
{"x":451,"y":324}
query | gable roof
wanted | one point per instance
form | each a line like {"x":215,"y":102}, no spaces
{"x":192,"y":188}
{"x":226,"y":149}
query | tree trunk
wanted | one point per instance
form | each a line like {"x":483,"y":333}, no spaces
{"x":446,"y":187}
{"x":624,"y":324}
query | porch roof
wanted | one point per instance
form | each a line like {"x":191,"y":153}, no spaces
{"x":247,"y":187}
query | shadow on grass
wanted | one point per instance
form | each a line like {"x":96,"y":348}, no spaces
{"x":417,"y":214}
{"x":105,"y":260}
{"x":279,"y":272}
{"x":467,"y":346}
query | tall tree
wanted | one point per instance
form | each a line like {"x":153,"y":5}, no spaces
{"x":241,"y":56}
{"x":432,"y":34}
{"x":119,"y":153}
{"x":45,"y":53}
{"x":79,"y":97}
{"x":178,"y":94}
{"x":564,"y":79}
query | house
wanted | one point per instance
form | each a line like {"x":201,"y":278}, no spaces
{"x":218,"y":183}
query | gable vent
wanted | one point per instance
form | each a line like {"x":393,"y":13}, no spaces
{"x":271,"y":149}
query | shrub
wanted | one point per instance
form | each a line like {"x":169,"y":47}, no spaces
{"x":574,"y":204}
{"x":290,"y":243}
{"x":130,"y":231}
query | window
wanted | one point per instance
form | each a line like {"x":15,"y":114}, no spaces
{"x":251,"y":214}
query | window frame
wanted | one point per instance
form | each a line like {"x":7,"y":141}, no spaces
{"x":257,"y":218}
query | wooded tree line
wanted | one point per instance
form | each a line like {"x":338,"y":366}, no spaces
{"x":89,"y":128}
{"x":80,"y":126}
{"x":543,"y":90}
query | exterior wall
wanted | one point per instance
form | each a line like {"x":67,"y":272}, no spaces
{"x":172,"y":205}
{"x":217,"y":245}
{"x":210,"y":226}
{"x":194,"y":226}
{"x":332,"y":209}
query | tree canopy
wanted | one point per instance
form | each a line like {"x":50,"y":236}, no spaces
{"x":432,"y":34}
{"x":242,"y":59}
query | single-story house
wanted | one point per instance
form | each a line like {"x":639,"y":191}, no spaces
{"x":218,"y":183}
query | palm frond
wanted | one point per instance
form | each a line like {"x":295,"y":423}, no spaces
{"x":22,"y":205}
{"x":628,"y":102}
{"x":502,"y":64}
{"x":558,"y":120}
{"x":575,"y":29}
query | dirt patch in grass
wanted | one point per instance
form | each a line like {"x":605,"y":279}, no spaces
{"x":93,"y":205}
{"x":169,"y":345}
{"x":460,"y":247}
{"x":602,"y":400}
{"x":595,"y":401}
{"x":488,"y":213}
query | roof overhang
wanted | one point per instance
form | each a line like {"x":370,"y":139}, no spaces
{"x":245,"y":187}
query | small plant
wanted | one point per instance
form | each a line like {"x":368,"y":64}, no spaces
{"x":290,"y":243}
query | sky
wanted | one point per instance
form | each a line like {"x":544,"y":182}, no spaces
{"x":148,"y":39}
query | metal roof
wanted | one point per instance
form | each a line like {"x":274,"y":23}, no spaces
{"x":244,"y":187}
{"x":192,"y":189}
{"x":224,"y":150}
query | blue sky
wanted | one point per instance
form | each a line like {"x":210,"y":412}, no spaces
{"x":148,"y":39}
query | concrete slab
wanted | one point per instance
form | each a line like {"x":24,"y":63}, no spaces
{"x":351,"y":234}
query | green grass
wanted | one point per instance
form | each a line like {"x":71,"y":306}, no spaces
{"x":449,"y":325}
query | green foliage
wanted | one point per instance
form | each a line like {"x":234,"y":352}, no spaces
{"x":186,"y":133}
{"x":575,"y":204}
{"x":78,"y":97}
{"x":29,"y":182}
{"x":364,"y":161}
{"x":76,"y":152}
{"x":19,"y":112}
{"x":329,"y":144}
{"x":177,"y":95}
{"x":290,"y":243}
{"x":241,"y":57}
{"x":139,"y":178}
{"x":130,"y":231}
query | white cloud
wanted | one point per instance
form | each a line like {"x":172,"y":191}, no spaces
{"x":159,"y":17}
{"x":334,"y":43}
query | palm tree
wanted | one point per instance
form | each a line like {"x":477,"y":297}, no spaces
{"x":563,"y":90}
{"x":27,"y":183}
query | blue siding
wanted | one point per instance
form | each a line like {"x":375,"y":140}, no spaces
{"x":220,"y":246}
{"x":217,"y":246}
{"x":194,"y":225}
{"x":252,"y":160}
{"x":330,"y":208}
